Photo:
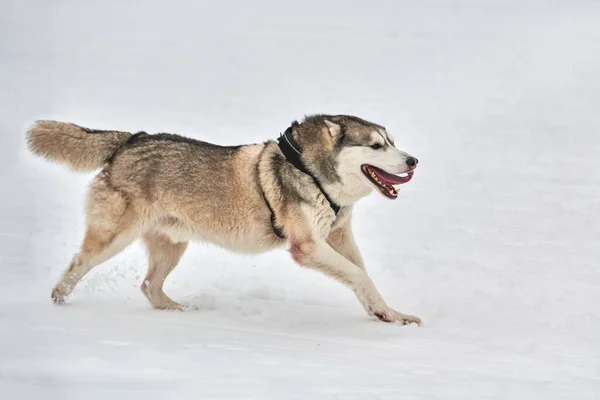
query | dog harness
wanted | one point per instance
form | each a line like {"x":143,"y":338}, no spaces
{"x":292,"y":151}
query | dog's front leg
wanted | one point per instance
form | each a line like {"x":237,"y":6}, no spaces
{"x":342,"y":241}
{"x":318,"y":254}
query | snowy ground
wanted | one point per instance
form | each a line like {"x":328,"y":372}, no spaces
{"x":495,"y":242}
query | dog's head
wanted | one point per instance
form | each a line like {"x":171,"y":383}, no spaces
{"x":358,"y":154}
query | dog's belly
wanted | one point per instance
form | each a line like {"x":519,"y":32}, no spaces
{"x":250,"y":239}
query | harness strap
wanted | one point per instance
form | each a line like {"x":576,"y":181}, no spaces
{"x":292,"y":152}
{"x":276,"y":229}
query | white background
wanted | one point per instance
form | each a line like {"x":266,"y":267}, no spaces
{"x":495,"y":242}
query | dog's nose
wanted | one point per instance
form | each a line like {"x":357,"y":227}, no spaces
{"x":412,"y":162}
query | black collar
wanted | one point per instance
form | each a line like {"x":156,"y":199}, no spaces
{"x":292,"y":152}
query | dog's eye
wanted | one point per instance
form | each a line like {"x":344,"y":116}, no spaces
{"x":376,"y":146}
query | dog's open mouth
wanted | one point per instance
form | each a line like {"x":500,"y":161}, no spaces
{"x":384,"y":181}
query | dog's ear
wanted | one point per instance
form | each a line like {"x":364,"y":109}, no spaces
{"x":335,"y":130}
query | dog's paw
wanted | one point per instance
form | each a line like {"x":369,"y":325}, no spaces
{"x":168,"y":305}
{"x":392,"y":316}
{"x":58,"y":296}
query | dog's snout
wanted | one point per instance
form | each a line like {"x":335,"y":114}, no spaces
{"x":412,"y":161}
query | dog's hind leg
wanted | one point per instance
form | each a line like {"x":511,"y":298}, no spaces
{"x":98,"y":246}
{"x":110,"y":230}
{"x":163,"y":256}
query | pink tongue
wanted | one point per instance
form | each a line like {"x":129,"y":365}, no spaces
{"x":391,"y":179}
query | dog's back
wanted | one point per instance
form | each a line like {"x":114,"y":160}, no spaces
{"x":182,"y":187}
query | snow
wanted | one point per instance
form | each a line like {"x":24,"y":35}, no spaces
{"x":494,"y":243}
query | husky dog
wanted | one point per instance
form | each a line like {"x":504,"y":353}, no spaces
{"x":168,"y":189}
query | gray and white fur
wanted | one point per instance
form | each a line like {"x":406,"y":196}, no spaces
{"x":169,"y":190}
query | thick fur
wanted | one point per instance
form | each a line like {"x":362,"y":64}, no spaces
{"x":169,"y":189}
{"x":80,"y":148}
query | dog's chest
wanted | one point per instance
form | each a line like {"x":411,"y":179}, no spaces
{"x":320,"y":219}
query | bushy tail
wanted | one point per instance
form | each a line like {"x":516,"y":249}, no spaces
{"x":81,"y":148}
